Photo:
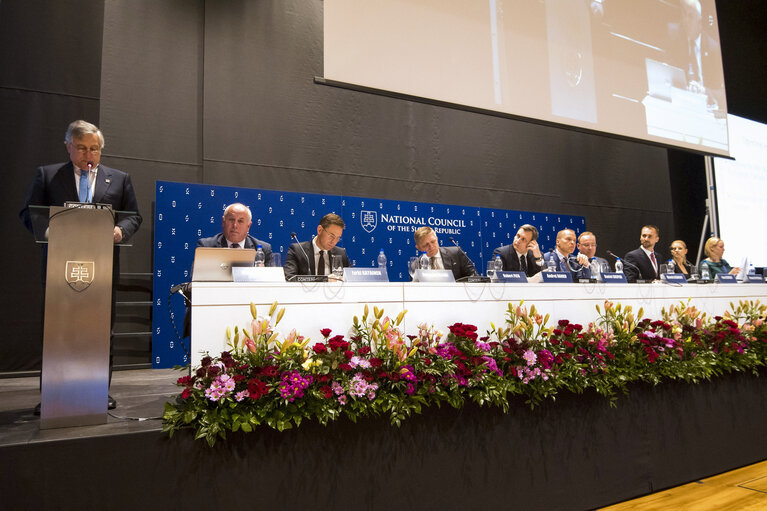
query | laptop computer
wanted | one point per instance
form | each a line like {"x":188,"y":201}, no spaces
{"x":214,"y":264}
{"x":662,"y":78}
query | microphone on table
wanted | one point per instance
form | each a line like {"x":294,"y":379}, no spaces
{"x":629,"y":263}
{"x":293,"y":235}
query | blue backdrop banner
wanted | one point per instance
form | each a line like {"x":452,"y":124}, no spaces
{"x":186,"y":212}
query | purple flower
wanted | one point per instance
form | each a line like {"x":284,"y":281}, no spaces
{"x":530,"y":357}
{"x":359,"y":387}
{"x":484,"y":346}
{"x":292,"y":385}
{"x":490,"y":363}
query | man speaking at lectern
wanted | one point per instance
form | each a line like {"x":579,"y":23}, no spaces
{"x":84,"y":179}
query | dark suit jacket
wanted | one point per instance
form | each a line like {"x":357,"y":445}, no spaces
{"x":55,"y":184}
{"x":456,"y":260}
{"x":511,"y":261}
{"x":250,"y":242}
{"x":297,"y":264}
{"x":574,"y":264}
{"x":639,"y":259}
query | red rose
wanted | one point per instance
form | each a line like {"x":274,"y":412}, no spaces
{"x":186,"y":393}
{"x":325,"y":332}
{"x":375,"y":362}
{"x":344,"y":367}
{"x":186,"y":381}
{"x":320,"y":348}
{"x":327,"y":392}
{"x":364,"y":350}
{"x":348,"y":354}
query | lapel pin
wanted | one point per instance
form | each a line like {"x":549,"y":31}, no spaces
{"x":108,"y":181}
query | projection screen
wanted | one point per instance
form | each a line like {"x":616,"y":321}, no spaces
{"x":648,"y":69}
{"x":740,"y":185}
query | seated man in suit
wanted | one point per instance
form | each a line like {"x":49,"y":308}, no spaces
{"x":523,"y":254}
{"x":563,"y":255}
{"x":443,"y":258}
{"x":643,"y":262}
{"x":235,"y":225}
{"x":587,"y":245}
{"x":314,"y":257}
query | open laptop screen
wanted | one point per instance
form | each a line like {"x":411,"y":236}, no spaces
{"x":214,"y":264}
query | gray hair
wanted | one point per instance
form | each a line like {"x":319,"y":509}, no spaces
{"x":77,"y":129}
{"x":238,"y":205}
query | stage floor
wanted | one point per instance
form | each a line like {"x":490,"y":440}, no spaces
{"x":140,"y":396}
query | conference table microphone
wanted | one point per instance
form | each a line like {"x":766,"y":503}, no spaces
{"x":293,"y":235}
{"x":628,"y":263}
{"x":306,"y":278}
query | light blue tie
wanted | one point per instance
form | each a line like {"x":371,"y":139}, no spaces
{"x":84,"y":186}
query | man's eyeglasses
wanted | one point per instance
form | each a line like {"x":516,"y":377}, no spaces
{"x":332,"y":236}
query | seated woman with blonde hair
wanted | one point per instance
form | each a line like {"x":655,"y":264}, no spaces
{"x":679,"y":256}
{"x":714,"y":250}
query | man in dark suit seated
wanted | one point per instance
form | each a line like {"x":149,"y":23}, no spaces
{"x":643,"y":262}
{"x":523,"y":254}
{"x":314,"y":257}
{"x":235,"y":225}
{"x":443,"y":258}
{"x":84,"y":179}
{"x":563,"y":255}
{"x":587,"y":245}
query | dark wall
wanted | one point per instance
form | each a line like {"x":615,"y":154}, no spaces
{"x":49,"y":76}
{"x":222,"y":91}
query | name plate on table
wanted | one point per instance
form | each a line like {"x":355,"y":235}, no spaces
{"x":673,"y":278}
{"x":557,"y":276}
{"x":257,"y":274}
{"x":614,"y":278}
{"x":434,"y":276}
{"x":516,"y":277}
{"x":365,"y":275}
{"x":726,"y":278}
{"x":308,"y":278}
{"x":753,"y":279}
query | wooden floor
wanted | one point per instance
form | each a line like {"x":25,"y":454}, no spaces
{"x":741,"y":489}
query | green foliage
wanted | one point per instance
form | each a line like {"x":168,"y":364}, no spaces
{"x":380,"y":371}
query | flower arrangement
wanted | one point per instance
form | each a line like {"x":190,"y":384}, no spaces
{"x":381,"y":371}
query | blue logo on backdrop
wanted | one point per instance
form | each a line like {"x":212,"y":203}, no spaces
{"x":369,"y":220}
{"x":188,"y":212}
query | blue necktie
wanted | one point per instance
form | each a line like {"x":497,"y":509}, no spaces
{"x":84,"y":186}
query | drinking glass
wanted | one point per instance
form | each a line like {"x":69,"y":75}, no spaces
{"x":337,"y":265}
{"x":412,"y":265}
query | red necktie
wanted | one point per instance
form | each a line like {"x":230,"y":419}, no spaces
{"x":654,"y":263}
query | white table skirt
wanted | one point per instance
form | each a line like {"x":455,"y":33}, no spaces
{"x":311,"y":307}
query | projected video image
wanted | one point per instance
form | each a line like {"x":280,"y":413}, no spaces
{"x":647,"y":69}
